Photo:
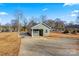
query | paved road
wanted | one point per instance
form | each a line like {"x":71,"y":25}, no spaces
{"x":48,"y":47}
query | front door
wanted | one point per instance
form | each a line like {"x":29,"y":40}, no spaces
{"x":41,"y":32}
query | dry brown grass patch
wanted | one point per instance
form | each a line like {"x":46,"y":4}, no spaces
{"x":9,"y":43}
{"x":61,"y":35}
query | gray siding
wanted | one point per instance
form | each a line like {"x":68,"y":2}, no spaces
{"x":46,"y":30}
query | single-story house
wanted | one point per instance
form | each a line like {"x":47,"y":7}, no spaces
{"x":40,"y":29}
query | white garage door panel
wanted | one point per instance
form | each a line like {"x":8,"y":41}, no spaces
{"x":36,"y":33}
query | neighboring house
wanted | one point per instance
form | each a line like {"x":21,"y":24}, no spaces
{"x":40,"y":29}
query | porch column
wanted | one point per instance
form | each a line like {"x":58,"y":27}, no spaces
{"x":32,"y":32}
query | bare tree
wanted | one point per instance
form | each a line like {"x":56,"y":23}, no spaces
{"x":22,"y":20}
{"x":8,"y":27}
{"x":14,"y":24}
{"x":43,"y":18}
{"x":24,"y":23}
{"x":77,"y":18}
{"x":71,"y":23}
{"x":50,"y":23}
{"x":31,"y":24}
{"x":59,"y":24}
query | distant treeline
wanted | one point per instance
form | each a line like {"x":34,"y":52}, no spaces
{"x":21,"y":23}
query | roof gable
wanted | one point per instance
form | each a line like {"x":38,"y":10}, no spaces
{"x":41,"y":25}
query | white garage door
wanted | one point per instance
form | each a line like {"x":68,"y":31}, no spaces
{"x":35,"y":33}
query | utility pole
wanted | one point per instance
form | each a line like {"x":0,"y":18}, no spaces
{"x":18,"y":18}
{"x":18,"y":25}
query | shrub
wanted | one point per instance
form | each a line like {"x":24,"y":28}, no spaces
{"x":66,"y":31}
{"x":78,"y":31}
{"x":73,"y":32}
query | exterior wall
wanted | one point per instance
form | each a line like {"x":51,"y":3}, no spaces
{"x":40,"y":26}
{"x":46,"y":33}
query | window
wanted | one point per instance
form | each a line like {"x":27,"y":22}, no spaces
{"x":46,"y":31}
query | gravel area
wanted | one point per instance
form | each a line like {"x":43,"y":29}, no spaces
{"x":42,"y":46}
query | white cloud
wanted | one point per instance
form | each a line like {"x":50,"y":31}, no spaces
{"x":3,"y":13}
{"x":70,"y":4}
{"x":74,"y":12}
{"x":45,"y":9}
